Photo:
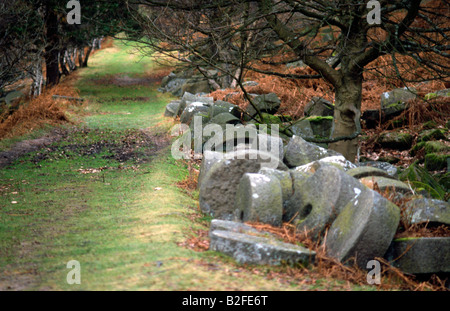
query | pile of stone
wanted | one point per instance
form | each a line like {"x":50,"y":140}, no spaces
{"x":393,"y":103}
{"x":322,"y":194}
{"x":272,"y":180}
{"x":178,"y":83}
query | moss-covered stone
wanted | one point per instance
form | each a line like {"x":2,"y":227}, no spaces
{"x":430,"y":96}
{"x":417,"y":147}
{"x":433,"y":134}
{"x":271,"y":119}
{"x":435,"y":146}
{"x":431,"y":146}
{"x":429,"y":125}
{"x":396,"y":140}
{"x":436,"y":161}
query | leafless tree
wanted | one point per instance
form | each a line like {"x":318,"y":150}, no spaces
{"x":232,"y":35}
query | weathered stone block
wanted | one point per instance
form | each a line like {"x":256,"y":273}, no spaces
{"x":249,"y":249}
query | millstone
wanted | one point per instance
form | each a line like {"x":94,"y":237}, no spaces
{"x":427,"y":210}
{"x":386,"y":184}
{"x":367,"y":171}
{"x":293,"y":201}
{"x":364,"y":229}
{"x":218,"y":188}
{"x":321,"y":198}
{"x":209,"y":159}
{"x":420,"y":255}
{"x":300,"y":152}
{"x":285,"y":179}
{"x":259,"y":199}
{"x":338,"y":161}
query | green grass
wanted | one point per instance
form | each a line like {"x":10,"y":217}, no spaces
{"x":122,"y":220}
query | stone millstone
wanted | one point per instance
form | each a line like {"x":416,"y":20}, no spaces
{"x":427,"y":210}
{"x":291,"y":207}
{"x":218,"y":188}
{"x":364,"y":229}
{"x":321,"y":198}
{"x":367,"y":171}
{"x":389,"y":168}
{"x":209,"y":159}
{"x":386,"y":184}
{"x":337,"y":161}
{"x":300,"y":152}
{"x":285,"y":179}
{"x":420,"y":255}
{"x":259,"y":199}
{"x":249,"y":249}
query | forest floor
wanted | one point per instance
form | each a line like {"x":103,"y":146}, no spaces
{"x":104,"y":190}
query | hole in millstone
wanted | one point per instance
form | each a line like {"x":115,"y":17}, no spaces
{"x":306,"y":211}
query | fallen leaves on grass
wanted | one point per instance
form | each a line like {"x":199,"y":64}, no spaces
{"x":197,"y":241}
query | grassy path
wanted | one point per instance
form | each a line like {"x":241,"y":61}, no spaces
{"x":105,"y":195}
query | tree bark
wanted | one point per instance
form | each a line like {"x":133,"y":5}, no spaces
{"x":80,"y":56}
{"x":52,"y":49}
{"x":63,"y":62}
{"x":86,"y":58}
{"x":347,"y":112}
{"x":36,"y":87}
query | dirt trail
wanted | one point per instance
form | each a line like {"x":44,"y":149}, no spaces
{"x":26,"y":146}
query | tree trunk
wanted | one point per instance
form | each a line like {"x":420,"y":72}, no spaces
{"x":63,"y":61}
{"x":347,"y":112}
{"x":70,"y":58}
{"x":52,"y":66}
{"x":86,"y":58}
{"x":38,"y":79}
{"x":52,"y":50}
{"x":80,"y":56}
